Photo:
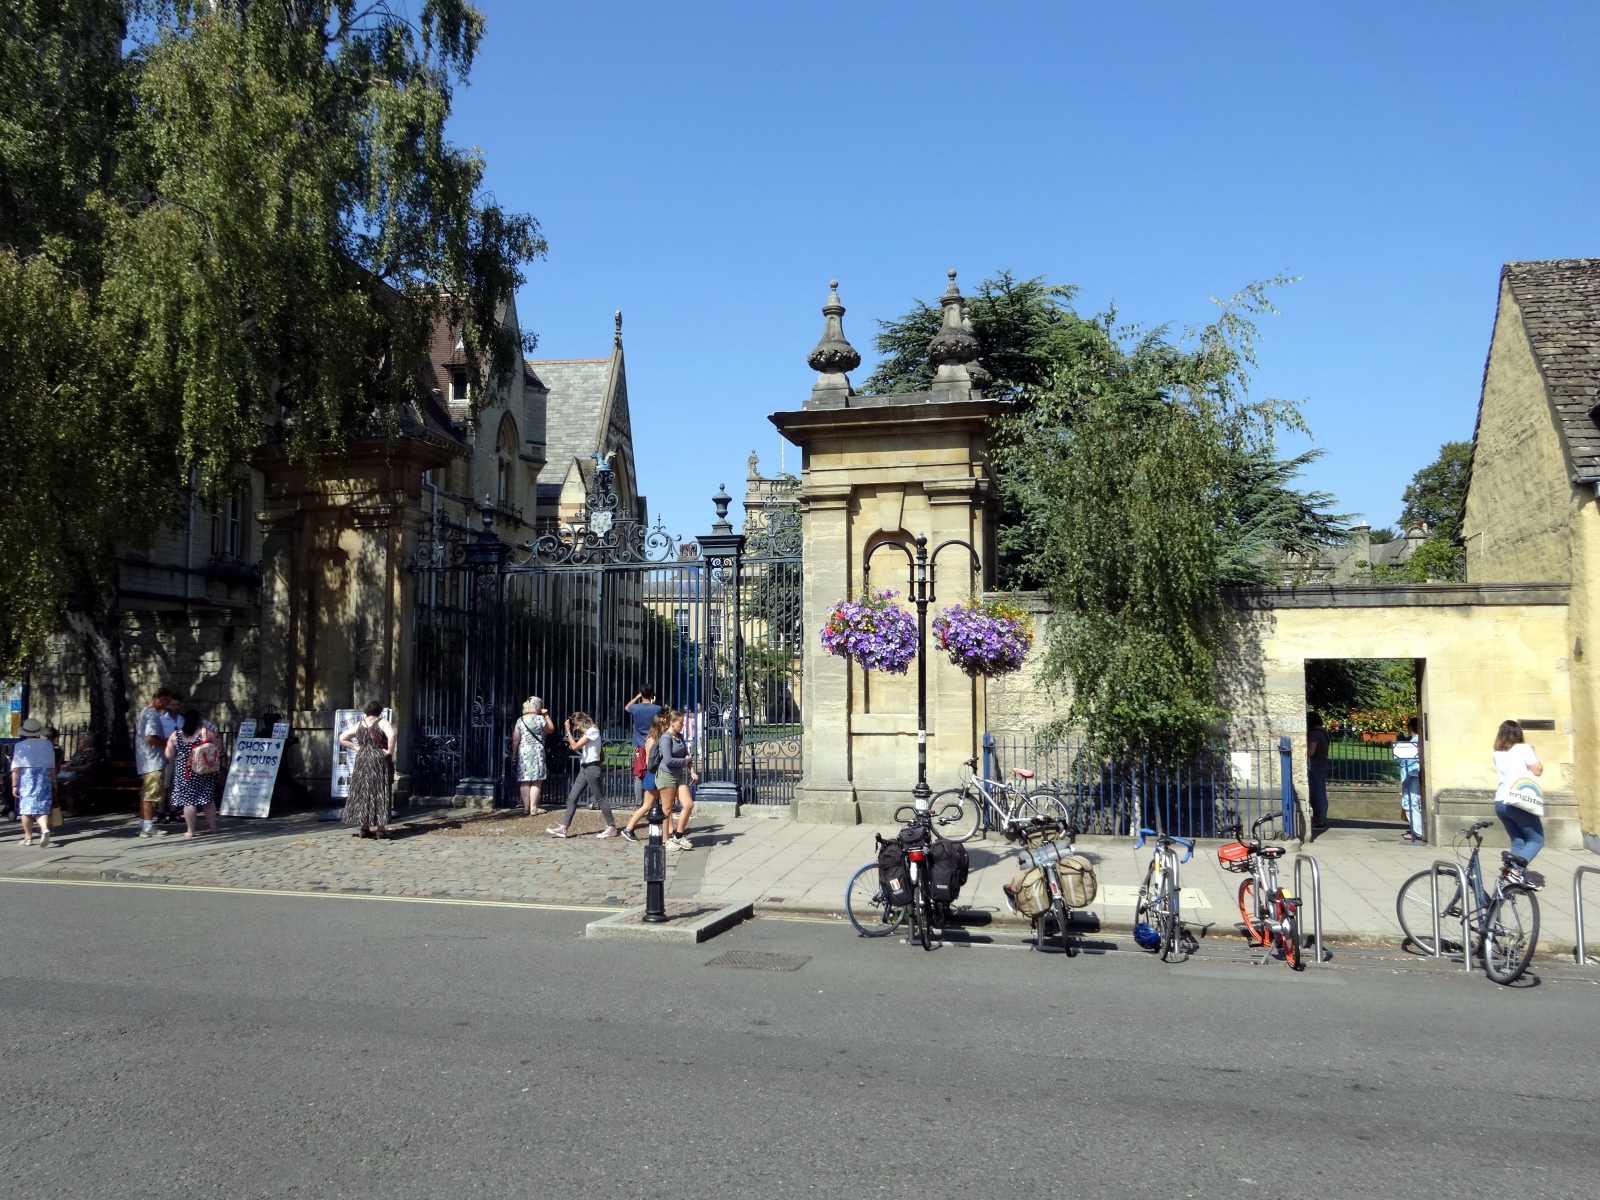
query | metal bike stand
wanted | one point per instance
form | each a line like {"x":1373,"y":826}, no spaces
{"x":1581,"y":954}
{"x":1456,"y":869}
{"x":1316,"y":896}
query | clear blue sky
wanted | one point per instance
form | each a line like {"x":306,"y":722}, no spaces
{"x":708,"y":168}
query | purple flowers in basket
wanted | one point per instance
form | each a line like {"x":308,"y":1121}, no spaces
{"x":873,"y":631}
{"x":985,"y":637}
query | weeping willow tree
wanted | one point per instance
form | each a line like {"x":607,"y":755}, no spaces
{"x":220,"y":223}
{"x":1125,"y":460}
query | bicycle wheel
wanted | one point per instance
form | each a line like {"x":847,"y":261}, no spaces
{"x":1144,"y":908}
{"x":1169,"y":917}
{"x":1289,"y":931}
{"x":1045,"y":804}
{"x":924,"y":918}
{"x":1255,"y":930}
{"x":863,"y":904}
{"x":1511,"y":935}
{"x":1414,"y":907}
{"x":956,"y":813}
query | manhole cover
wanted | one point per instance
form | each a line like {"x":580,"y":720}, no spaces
{"x":84,"y":858}
{"x":760,"y":960}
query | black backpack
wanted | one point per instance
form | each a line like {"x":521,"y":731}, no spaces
{"x":947,"y":869}
{"x":893,"y":878}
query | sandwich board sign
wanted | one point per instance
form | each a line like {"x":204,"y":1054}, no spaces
{"x":251,"y":777}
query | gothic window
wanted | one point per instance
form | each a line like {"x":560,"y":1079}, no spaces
{"x":228,"y":540}
{"x":505,"y":462}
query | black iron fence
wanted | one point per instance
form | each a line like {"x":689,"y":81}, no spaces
{"x":1355,"y":763}
{"x":1227,"y":785}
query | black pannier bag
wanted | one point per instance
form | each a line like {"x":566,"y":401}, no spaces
{"x":947,"y":872}
{"x":893,"y":877}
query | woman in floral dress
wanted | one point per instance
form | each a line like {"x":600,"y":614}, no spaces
{"x":372,"y":774}
{"x":192,"y":789}
{"x":527,"y":748}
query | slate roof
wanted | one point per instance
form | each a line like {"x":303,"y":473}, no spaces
{"x":572,"y":413}
{"x":1560,"y":302}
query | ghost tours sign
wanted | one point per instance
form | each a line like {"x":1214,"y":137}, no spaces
{"x":251,"y":777}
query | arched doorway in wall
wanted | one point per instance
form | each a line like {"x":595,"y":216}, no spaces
{"x":1367,"y":707}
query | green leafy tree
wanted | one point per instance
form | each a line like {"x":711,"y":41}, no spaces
{"x":1266,"y":521}
{"x":231,"y":221}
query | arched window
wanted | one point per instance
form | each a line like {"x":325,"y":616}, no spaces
{"x":505,"y":462}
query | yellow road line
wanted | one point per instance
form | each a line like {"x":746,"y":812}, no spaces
{"x":240,"y":891}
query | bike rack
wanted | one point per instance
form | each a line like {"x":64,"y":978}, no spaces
{"x":1581,"y":954}
{"x":1316,"y":897}
{"x":1456,"y":869}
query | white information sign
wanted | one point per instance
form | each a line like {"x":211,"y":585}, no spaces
{"x":247,"y":729}
{"x":280,"y":730}
{"x":251,"y":776}
{"x":344,"y":758}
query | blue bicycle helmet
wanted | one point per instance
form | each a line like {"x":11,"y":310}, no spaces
{"x":1146,"y":936}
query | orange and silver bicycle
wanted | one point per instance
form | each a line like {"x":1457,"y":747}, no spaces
{"x":1271,"y":915}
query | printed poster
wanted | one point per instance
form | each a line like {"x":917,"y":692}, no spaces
{"x":344,"y":758}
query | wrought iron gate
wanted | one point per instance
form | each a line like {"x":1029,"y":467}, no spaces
{"x":586,"y":615}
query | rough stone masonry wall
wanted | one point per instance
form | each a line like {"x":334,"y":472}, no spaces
{"x":1016,"y":705}
{"x":211,"y":658}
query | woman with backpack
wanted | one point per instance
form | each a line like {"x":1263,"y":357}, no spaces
{"x":372,"y":773}
{"x":652,"y":760}
{"x":195,"y":753}
{"x":527,"y":751}
{"x":673,"y":778}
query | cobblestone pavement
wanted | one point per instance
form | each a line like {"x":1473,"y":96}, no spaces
{"x":492,"y":857}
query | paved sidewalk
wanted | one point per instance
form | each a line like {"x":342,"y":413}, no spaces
{"x":784,"y":866}
{"x":777,"y":864}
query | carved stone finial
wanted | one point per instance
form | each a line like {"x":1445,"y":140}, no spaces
{"x":833,"y":356}
{"x":954,"y":346}
{"x":617,"y":339}
{"x":721,"y":500}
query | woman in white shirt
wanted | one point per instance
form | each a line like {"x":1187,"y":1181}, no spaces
{"x":583,"y":737}
{"x":1514,"y":759}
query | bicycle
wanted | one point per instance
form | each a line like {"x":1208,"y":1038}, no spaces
{"x":872,"y":913}
{"x":1502,"y":928}
{"x":962,"y":811}
{"x":1156,"y":911}
{"x":1044,"y":850}
{"x":1271,"y":915}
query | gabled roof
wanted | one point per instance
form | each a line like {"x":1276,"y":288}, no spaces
{"x":572,"y":412}
{"x":1560,"y":303}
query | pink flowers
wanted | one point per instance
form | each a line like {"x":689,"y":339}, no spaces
{"x":873,"y":632}
{"x":985,"y":637}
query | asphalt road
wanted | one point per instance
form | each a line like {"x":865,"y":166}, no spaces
{"x":170,"y":1043}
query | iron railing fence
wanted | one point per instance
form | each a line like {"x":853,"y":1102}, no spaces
{"x":1228,"y":785}
{"x":1355,"y":763}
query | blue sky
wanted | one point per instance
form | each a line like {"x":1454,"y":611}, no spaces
{"x":708,"y":168}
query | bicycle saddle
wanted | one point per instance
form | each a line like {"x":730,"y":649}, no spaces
{"x":1515,"y":860}
{"x":1022,"y":772}
{"x":1272,"y":852}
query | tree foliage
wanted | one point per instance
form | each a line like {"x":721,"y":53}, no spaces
{"x":1136,"y":479}
{"x":226,"y":222}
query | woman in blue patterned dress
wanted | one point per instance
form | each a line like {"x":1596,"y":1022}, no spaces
{"x":192,"y":789}
{"x":33,"y":765}
{"x":527,"y":748}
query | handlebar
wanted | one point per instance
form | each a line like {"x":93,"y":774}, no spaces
{"x":1266,"y":820}
{"x":1162,"y":838}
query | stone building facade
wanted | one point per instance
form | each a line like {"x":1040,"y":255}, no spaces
{"x":294,"y":594}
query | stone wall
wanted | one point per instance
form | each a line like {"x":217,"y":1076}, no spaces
{"x":1016,"y":705}
{"x":1519,"y":508}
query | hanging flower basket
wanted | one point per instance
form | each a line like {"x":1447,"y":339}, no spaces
{"x":985,"y":637}
{"x":873,"y":632}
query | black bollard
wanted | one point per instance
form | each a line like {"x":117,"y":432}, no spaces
{"x":655,"y":867}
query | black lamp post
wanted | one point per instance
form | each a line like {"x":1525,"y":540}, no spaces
{"x":920,"y":577}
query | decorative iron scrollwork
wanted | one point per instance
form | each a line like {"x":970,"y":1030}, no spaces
{"x":603,"y":534}
{"x":445,"y":546}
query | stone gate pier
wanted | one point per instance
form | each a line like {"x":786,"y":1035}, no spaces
{"x":878,"y":468}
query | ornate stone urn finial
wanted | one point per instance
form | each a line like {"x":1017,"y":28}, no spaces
{"x":954,"y":346}
{"x":834,"y":356}
{"x":617,"y":339}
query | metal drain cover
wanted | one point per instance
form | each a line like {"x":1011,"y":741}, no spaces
{"x":760,"y":960}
